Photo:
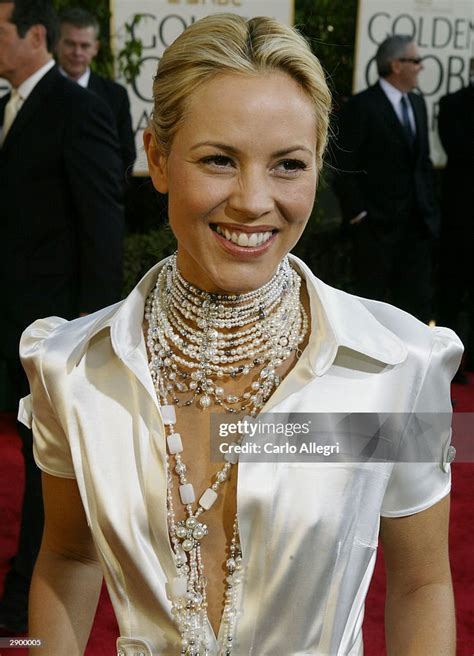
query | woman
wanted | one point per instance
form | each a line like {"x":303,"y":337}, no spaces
{"x":121,"y":400}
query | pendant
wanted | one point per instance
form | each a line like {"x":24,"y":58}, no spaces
{"x":189,"y":532}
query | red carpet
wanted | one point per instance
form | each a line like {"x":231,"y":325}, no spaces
{"x":104,"y":633}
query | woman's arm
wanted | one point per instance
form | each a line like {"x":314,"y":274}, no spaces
{"x":419,"y":609}
{"x":67,"y":577}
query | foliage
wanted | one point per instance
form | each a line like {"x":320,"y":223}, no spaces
{"x":143,"y":250}
{"x":330,"y":27}
{"x":103,"y":64}
{"x":129,"y":57}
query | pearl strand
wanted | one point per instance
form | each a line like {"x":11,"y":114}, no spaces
{"x":207,"y":351}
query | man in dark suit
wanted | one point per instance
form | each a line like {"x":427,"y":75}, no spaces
{"x":61,"y":221}
{"x":77,"y":46}
{"x":455,"y":292}
{"x":384,"y":182}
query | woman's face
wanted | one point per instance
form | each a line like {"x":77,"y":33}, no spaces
{"x":241,"y":177}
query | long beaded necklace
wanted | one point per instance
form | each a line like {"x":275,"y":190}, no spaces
{"x":194,"y":338}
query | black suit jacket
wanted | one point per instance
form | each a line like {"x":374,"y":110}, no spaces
{"x":116,"y":97}
{"x":456,"y":131}
{"x":61,"y":211}
{"x":377,"y":169}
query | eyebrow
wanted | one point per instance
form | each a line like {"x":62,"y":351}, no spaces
{"x":236,"y":151}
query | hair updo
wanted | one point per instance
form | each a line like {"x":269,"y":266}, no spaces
{"x":227,"y":43}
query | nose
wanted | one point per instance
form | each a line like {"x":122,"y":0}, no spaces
{"x":251,"y":196}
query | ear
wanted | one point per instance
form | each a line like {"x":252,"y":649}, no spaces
{"x":96,"y":47}
{"x":37,"y":36}
{"x":396,"y":66}
{"x":157,"y":162}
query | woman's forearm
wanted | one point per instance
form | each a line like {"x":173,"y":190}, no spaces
{"x":63,"y":600}
{"x":421,"y":622}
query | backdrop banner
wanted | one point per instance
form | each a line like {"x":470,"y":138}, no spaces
{"x":162,"y":21}
{"x":444,"y":33}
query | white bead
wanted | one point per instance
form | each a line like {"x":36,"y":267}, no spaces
{"x":175,"y":444}
{"x":199,"y":532}
{"x":179,"y":586}
{"x":207,"y":499}
{"x":181,"y":532}
{"x":231,"y":457}
{"x":186,"y":493}
{"x":168,"y":413}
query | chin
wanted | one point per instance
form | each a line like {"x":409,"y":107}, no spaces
{"x":242,"y":278}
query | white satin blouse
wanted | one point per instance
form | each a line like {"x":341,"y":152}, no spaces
{"x":308,"y":530}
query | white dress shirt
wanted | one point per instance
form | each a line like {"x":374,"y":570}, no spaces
{"x":83,"y":81}
{"x":308,"y":530}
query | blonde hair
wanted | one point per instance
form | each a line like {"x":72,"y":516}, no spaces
{"x":227,"y":43}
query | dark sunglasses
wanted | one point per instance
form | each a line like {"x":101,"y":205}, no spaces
{"x":412,"y":60}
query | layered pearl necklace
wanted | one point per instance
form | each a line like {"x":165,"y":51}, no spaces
{"x":197,"y":340}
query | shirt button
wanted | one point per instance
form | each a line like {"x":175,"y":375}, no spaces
{"x":451,"y":454}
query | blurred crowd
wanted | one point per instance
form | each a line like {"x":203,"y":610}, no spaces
{"x":411,"y":243}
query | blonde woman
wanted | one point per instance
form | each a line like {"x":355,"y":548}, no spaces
{"x":264,"y":558}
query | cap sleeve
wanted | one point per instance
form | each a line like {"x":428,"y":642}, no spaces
{"x":50,"y":444}
{"x":419,"y":483}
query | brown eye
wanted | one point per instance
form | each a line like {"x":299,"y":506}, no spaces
{"x":220,"y":161}
{"x":291,"y":166}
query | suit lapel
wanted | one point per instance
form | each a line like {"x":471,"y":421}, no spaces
{"x":30,"y":107}
{"x":419,"y":119}
{"x":94,"y":83}
{"x":3,"y":102}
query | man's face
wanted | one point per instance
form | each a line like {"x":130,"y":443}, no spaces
{"x":77,"y":47}
{"x":408,"y":70}
{"x":14,"y":51}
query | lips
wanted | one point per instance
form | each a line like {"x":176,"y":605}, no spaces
{"x":245,"y":238}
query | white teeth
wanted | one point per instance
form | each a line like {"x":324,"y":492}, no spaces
{"x":243,"y":239}
{"x":253,"y":239}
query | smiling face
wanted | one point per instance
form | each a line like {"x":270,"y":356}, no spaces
{"x":241,"y":177}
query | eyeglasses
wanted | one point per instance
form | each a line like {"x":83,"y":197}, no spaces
{"x":412,"y":60}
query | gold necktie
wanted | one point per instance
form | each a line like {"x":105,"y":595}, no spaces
{"x":11,"y":110}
